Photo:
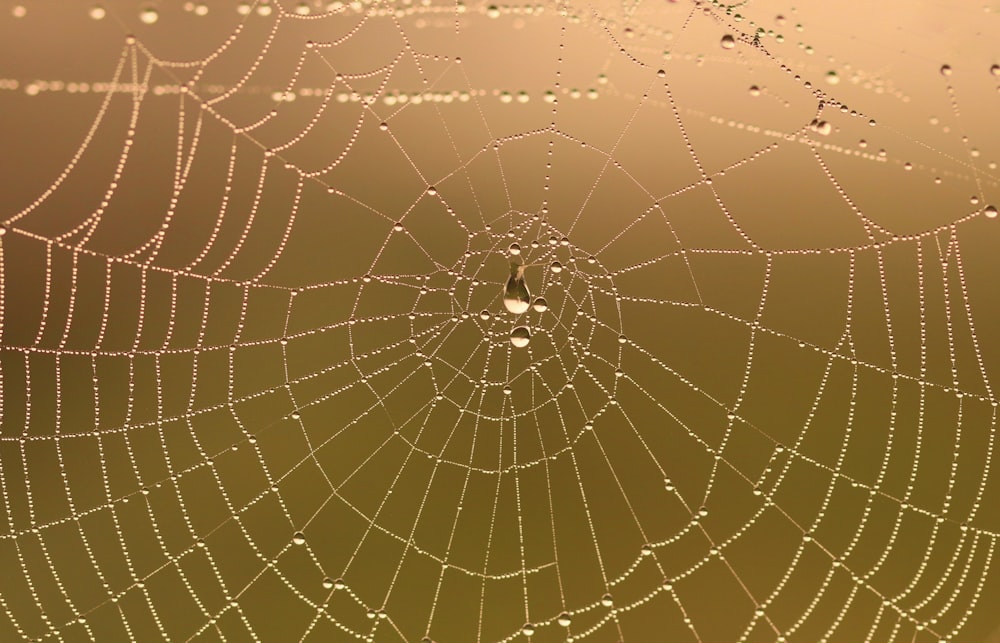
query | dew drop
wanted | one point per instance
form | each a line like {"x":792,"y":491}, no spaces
{"x":728,"y":42}
{"x":540,"y":305}
{"x":555,"y":266}
{"x":149,"y":15}
{"x":3,"y":229}
{"x":995,"y":70}
{"x":754,"y":90}
{"x":516,"y":297}
{"x":607,"y":601}
{"x":520,"y":336}
{"x":97,"y":12}
{"x":514,"y":249}
{"x":398,"y":227}
{"x":990,"y":211}
{"x":946,"y":70}
{"x":484,"y":315}
{"x":493,"y":11}
{"x":432,"y":190}
{"x":298,"y":538}
{"x":528,"y":629}
{"x":564,"y":619}
{"x":327,"y":583}
{"x":832,"y":78}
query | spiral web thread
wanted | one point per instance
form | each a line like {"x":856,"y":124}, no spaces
{"x":205,"y":436}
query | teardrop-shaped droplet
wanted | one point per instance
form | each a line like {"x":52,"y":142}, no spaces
{"x":520,"y":336}
{"x":516,"y":297}
{"x":540,"y":304}
{"x":728,"y":42}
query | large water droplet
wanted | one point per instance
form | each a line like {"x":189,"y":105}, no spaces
{"x":540,"y":305}
{"x":514,"y":249}
{"x":520,"y":336}
{"x":946,"y":70}
{"x":564,"y":619}
{"x":299,"y":538}
{"x":990,"y":211}
{"x":728,"y":42}
{"x":516,"y":297}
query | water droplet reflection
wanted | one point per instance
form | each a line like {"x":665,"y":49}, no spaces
{"x":520,"y":336}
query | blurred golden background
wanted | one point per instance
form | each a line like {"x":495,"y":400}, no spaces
{"x":259,"y":381}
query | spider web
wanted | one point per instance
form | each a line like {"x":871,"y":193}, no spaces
{"x":259,"y":381}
